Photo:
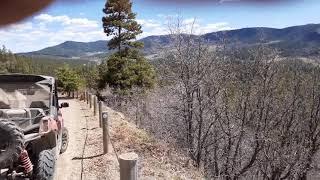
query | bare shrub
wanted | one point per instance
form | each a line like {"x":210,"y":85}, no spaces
{"x":241,"y":114}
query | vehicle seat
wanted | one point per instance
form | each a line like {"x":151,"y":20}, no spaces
{"x":39,"y":104}
{"x":36,"y":115}
{"x":4,"y":105}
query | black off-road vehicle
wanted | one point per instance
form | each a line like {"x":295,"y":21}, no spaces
{"x":32,"y":132}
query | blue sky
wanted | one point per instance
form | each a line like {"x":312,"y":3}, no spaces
{"x":81,"y":21}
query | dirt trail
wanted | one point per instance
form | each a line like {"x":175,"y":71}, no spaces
{"x":87,"y":163}
{"x":69,"y":164}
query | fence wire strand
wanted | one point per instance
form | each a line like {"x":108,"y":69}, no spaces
{"x":113,"y":147}
{"x":108,"y":134}
{"x":100,"y":116}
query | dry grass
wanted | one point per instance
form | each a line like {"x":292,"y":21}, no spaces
{"x":157,"y":160}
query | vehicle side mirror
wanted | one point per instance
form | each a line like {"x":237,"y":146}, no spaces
{"x":64,"y":105}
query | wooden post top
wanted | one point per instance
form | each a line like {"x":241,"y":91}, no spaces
{"x":129,"y":156}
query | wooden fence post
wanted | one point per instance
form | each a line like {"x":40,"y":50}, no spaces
{"x":95,"y":99}
{"x":90,"y":101}
{"x":100,"y":113}
{"x":105,"y":131}
{"x":87,"y":97}
{"x":128,"y":166}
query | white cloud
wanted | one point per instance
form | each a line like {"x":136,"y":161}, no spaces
{"x":46,"y":18}
{"x":187,"y":25}
{"x":189,"y":21}
{"x":198,"y":27}
{"x":46,"y":30}
{"x":21,"y":27}
{"x":213,"y":27}
{"x":67,"y":21}
{"x":148,"y":23}
{"x":151,"y":27}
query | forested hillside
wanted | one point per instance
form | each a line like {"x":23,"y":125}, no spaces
{"x":11,"y":63}
{"x":72,"y":74}
{"x":293,"y":41}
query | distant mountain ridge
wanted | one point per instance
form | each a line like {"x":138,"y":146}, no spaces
{"x":301,"y":40}
{"x":71,"y":49}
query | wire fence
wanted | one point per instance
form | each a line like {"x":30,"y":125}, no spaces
{"x":128,"y":162}
{"x":84,"y":146}
{"x":114,"y":149}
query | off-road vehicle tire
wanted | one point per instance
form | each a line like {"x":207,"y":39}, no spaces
{"x":14,"y":136}
{"x":65,"y":140}
{"x":45,"y":166}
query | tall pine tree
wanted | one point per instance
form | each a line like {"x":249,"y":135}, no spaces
{"x":120,"y":23}
{"x":126,"y":68}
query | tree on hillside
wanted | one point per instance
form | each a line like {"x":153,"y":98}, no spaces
{"x":126,"y":68}
{"x":68,"y":79}
{"x":120,"y":23}
{"x":90,"y":75}
{"x":124,"y":73}
{"x":7,"y":60}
